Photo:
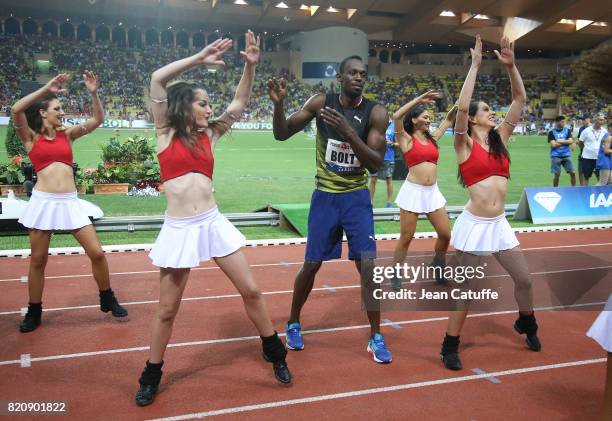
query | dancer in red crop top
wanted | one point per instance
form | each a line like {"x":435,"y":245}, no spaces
{"x":420,"y":193}
{"x":482,"y":228}
{"x":54,"y":204}
{"x":193,"y":229}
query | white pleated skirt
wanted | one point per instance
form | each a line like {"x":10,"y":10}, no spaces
{"x":184,"y":242}
{"x":420,"y":199}
{"x":479,"y":235}
{"x":601,"y":330}
{"x":54,"y":211}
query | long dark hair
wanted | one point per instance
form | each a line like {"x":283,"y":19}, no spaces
{"x":180,"y":113}
{"x":409,"y":125}
{"x":497,"y":149}
{"x":35,"y":120}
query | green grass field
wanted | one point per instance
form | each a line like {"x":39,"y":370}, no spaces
{"x":14,"y":242}
{"x":253,"y":170}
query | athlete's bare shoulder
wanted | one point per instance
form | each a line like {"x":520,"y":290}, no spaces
{"x":379,"y":115}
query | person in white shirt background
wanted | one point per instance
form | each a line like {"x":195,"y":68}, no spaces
{"x":590,"y":140}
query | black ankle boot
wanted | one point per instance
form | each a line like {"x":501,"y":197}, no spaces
{"x":275,"y":352}
{"x":32,"y":318}
{"x":528,"y":325}
{"x":108,"y":302}
{"x":149,"y":382}
{"x":450,"y":353}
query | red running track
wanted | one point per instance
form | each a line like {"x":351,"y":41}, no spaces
{"x":213,"y":367}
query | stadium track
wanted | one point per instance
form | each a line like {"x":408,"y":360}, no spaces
{"x":213,"y":365}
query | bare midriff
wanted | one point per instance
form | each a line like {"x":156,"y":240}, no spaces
{"x":487,"y":197}
{"x":56,"y":177}
{"x":425,"y":173}
{"x":188,"y":195}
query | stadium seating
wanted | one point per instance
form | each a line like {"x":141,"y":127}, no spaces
{"x":124,"y":78}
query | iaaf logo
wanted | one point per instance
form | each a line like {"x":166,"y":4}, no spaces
{"x":600,"y":200}
{"x":550,"y":200}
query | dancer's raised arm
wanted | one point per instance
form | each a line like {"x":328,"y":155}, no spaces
{"x":18,"y":110}
{"x":463,"y":107}
{"x":399,"y":116}
{"x":243,"y":91}
{"x":519,"y":96}
{"x":92,"y":84}
{"x":211,"y":55}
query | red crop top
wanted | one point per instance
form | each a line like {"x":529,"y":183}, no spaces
{"x":481,"y":164}
{"x":177,"y":159}
{"x":421,"y":153}
{"x":45,"y":152}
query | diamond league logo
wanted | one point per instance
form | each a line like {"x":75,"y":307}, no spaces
{"x":330,"y":71}
{"x":548,"y":200}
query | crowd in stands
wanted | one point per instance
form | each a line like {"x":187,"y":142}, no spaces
{"x":16,"y":65}
{"x":125,"y":73}
{"x":124,"y":76}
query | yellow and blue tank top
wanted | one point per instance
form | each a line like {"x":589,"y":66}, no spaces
{"x":338,"y":168}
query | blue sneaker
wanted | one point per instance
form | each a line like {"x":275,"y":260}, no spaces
{"x":294,"y":337}
{"x":389,"y":205}
{"x":379,"y":350}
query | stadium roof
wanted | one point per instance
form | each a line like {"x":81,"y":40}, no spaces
{"x":563,"y":24}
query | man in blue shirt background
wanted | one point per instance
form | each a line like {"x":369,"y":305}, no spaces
{"x":560,"y":139}
{"x":386,"y":170}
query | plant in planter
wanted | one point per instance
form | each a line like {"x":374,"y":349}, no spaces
{"x":148,"y":180}
{"x":12,"y":177}
{"x":150,"y":174}
{"x":84,"y":180}
{"x":127,"y":162}
{"x":12,"y":143}
{"x":131,"y":150}
{"x":111,"y":179}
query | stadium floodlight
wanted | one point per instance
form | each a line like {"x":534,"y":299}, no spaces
{"x":516,"y":27}
{"x":282,"y":5}
{"x":241,"y":2}
{"x":448,"y":13}
{"x":481,"y":17}
{"x":582,"y":23}
{"x":304,"y":7}
{"x":313,"y":10}
{"x":350,"y":13}
{"x":331,"y":9}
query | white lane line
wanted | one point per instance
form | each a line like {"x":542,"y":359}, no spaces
{"x":85,"y":275}
{"x":123,"y":248}
{"x":306,"y":332}
{"x":257,"y":265}
{"x":492,"y":379}
{"x":377,"y":390}
{"x":280,"y":292}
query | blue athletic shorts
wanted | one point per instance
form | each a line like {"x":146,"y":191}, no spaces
{"x":332,"y":213}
